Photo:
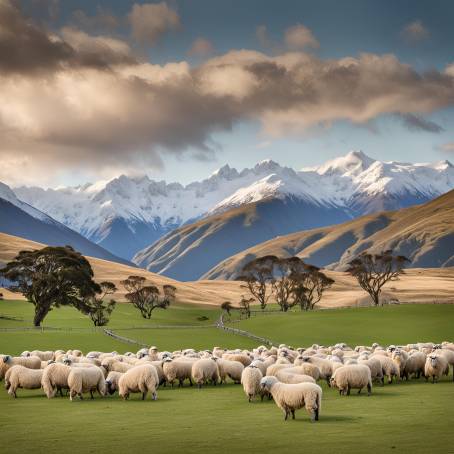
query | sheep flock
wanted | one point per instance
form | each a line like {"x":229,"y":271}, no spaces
{"x":285,"y":374}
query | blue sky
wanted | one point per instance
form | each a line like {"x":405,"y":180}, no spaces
{"x":342,"y":28}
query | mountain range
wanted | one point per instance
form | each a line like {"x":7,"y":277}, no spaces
{"x":165,"y":226}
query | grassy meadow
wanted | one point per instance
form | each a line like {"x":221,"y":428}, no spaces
{"x":412,"y":417}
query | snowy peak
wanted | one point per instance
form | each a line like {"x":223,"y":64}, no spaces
{"x":352,"y":163}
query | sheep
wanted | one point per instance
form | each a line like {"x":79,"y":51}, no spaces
{"x":44,"y":356}
{"x":142,"y":378}
{"x":177,"y":369}
{"x":435,"y":367}
{"x":374,"y":365}
{"x":241,"y":358}
{"x":355,"y":376}
{"x":272,"y":370}
{"x":22,"y":377}
{"x":232,"y":369}
{"x":112,"y":380}
{"x":7,"y":361}
{"x":414,"y":365}
{"x":260,"y":364}
{"x":55,"y":378}
{"x":205,"y":370}
{"x":289,"y":376}
{"x":400,"y":358}
{"x":112,"y":364}
{"x":326,"y":367}
{"x":448,"y":355}
{"x":250,"y":379}
{"x":86,"y":379}
{"x":292,"y":397}
{"x":389,"y":367}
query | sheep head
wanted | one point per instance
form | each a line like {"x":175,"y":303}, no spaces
{"x":268,"y":382}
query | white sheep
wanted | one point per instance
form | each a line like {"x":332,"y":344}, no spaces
{"x":143,"y":378}
{"x":260,"y":365}
{"x":290,"y":376}
{"x":7,"y":361}
{"x":227,"y":368}
{"x":55,"y":378}
{"x":175,"y":369}
{"x":292,"y":397}
{"x":389,"y":367}
{"x":250,"y":379}
{"x":205,"y":370}
{"x":355,"y":376}
{"x":374,"y":365}
{"x":86,"y":379}
{"x":245,"y":360}
{"x":112,"y":381}
{"x":22,"y":377}
{"x":414,"y":365}
{"x":435,"y":367}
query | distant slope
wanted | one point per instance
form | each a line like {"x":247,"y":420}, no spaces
{"x":423,"y":233}
{"x":416,"y":286}
{"x":18,"y":218}
{"x":190,"y":251}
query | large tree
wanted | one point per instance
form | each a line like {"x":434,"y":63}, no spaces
{"x":373,"y":271}
{"x":147,"y":298}
{"x":98,"y":309}
{"x":257,"y":276}
{"x":309,"y":285}
{"x":51,"y":277}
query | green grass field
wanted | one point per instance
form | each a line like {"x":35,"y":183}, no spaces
{"x":414,"y":417}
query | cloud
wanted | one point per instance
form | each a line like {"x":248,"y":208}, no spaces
{"x":201,"y":47}
{"x":415,"y":32}
{"x":92,"y":104}
{"x":300,"y":37}
{"x":151,"y":20}
{"x":447,"y":147}
{"x":418,"y":123}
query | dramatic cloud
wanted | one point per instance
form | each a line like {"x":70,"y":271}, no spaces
{"x":149,"y":21}
{"x":94,"y":104}
{"x":300,"y":37}
{"x":201,"y":47}
{"x":418,"y":123}
{"x":415,"y":32}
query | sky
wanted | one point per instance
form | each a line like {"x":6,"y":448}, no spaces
{"x":93,"y":89}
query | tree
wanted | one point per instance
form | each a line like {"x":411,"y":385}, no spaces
{"x":51,"y":277}
{"x":283,"y":283}
{"x":147,"y":298}
{"x":245,"y":306}
{"x":98,"y":309}
{"x":227,"y":306}
{"x":308,"y":286}
{"x":258,"y":275}
{"x":373,"y":271}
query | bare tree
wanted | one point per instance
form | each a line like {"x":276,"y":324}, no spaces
{"x":227,"y":306}
{"x":98,"y":309}
{"x":245,"y":306}
{"x":373,"y":271}
{"x":258,"y":275}
{"x":283,"y":284}
{"x":147,"y":298}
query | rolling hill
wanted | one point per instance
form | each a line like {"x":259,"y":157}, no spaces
{"x":424,"y":233}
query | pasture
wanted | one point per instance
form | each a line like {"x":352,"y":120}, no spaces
{"x":405,"y":417}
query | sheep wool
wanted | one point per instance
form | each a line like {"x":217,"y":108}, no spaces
{"x":55,"y":378}
{"x":435,"y":367}
{"x":231,"y":369}
{"x":250,"y":379}
{"x":292,"y":397}
{"x":355,"y":376}
{"x":22,"y":377}
{"x":177,"y":370}
{"x":205,"y":370}
{"x":86,"y":379}
{"x":112,"y":380}
{"x":140,"y":379}
{"x":7,"y":361}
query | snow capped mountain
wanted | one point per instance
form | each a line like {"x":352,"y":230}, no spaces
{"x":128,"y":213}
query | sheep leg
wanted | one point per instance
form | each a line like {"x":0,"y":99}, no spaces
{"x":91,"y":394}
{"x":190,"y":382}
{"x":369,"y":389}
{"x":199,"y":385}
{"x":348,"y":390}
{"x":360,"y":389}
{"x":144,"y":395}
{"x":81,"y":397}
{"x":250,"y":398}
{"x":286,"y":414}
{"x":293,"y":414}
{"x":316,"y":414}
{"x":154,"y":396}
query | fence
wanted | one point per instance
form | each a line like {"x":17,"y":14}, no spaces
{"x":122,"y":338}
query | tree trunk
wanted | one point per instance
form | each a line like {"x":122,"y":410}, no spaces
{"x":41,"y":310}
{"x":375,"y":298}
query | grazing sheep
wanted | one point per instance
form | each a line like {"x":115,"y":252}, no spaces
{"x":227,"y":368}
{"x":400,"y":358}
{"x":289,"y":376}
{"x":355,"y":376}
{"x":250,"y":379}
{"x":143,"y":379}
{"x":112,"y":364}
{"x":22,"y":377}
{"x":112,"y":381}
{"x":205,"y":370}
{"x":43,"y":356}
{"x":325,"y":366}
{"x":389,"y":367}
{"x":435,"y":367}
{"x":175,"y":369}
{"x":292,"y":397}
{"x":414,"y":365}
{"x":261,"y":365}
{"x":448,"y":355}
{"x":374,"y":365}
{"x":86,"y":379}
{"x":55,"y":378}
{"x":7,"y":361}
